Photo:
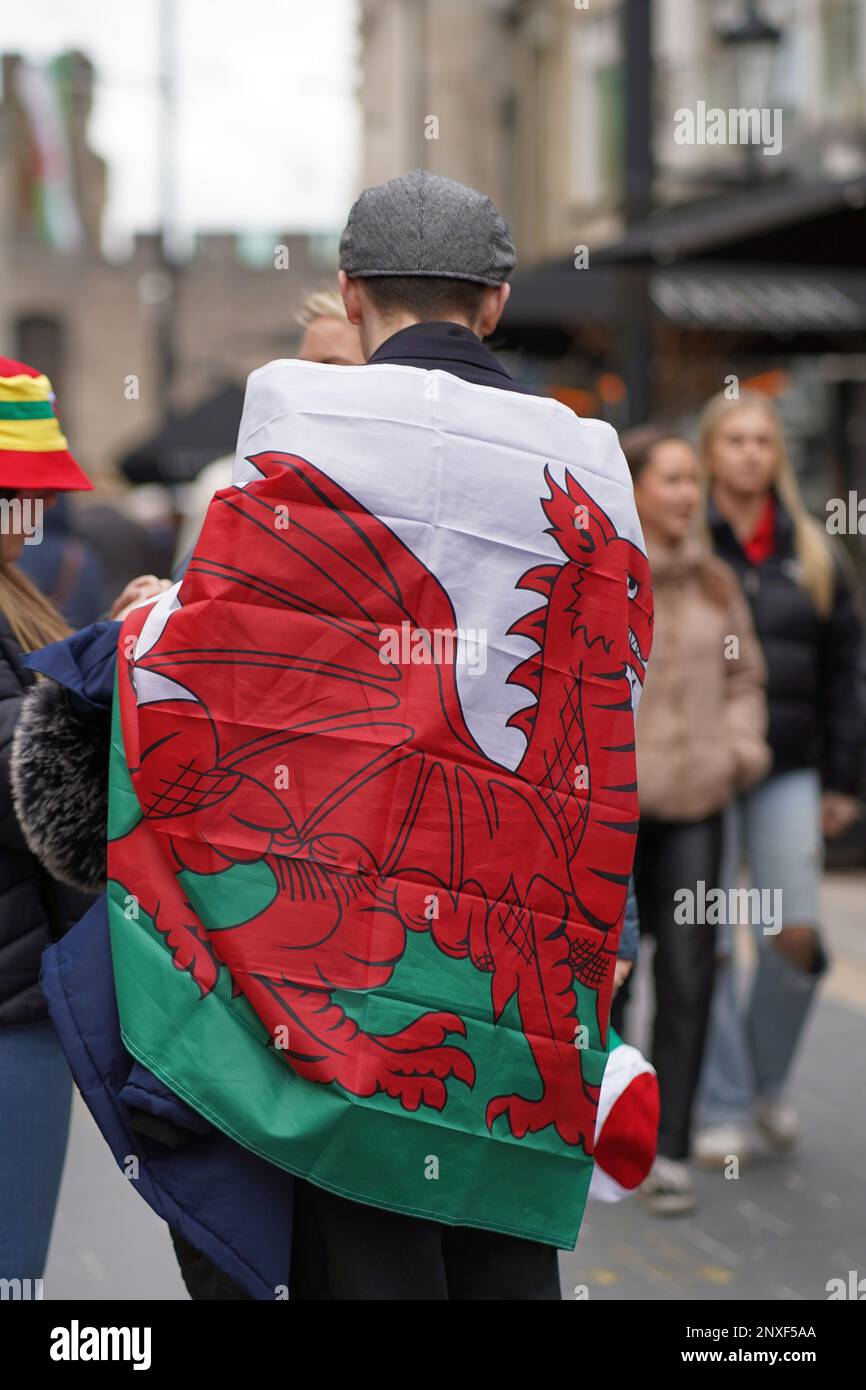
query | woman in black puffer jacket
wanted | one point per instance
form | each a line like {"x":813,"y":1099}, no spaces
{"x":809,"y":631}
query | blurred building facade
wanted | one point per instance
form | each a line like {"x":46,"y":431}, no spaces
{"x":525,"y":100}
{"x":651,"y":270}
{"x":95,"y":325}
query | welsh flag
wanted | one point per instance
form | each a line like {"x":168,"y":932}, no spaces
{"x":373,"y":804}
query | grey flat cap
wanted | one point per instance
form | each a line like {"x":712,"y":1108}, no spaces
{"x":426,"y":225}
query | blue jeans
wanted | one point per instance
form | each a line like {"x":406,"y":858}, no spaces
{"x":749,"y":1053}
{"x":35,"y":1097}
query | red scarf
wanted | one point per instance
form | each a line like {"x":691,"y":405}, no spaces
{"x":762,"y":541}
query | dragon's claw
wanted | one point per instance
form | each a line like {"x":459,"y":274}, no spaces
{"x":529,"y":1116}
{"x":418,"y":1078}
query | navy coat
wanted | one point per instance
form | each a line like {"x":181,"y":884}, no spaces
{"x":227,"y":1202}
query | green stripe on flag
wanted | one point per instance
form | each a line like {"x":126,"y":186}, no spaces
{"x":216,"y":1054}
{"x":26,"y":410}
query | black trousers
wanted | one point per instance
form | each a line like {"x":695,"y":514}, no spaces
{"x":348,"y":1251}
{"x":345,"y":1250}
{"x":672,"y":856}
{"x":205,"y":1281}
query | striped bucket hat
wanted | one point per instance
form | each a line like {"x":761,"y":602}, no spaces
{"x":33,"y":450}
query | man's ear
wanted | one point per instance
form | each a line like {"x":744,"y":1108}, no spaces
{"x":492,"y":307}
{"x":351,"y":296}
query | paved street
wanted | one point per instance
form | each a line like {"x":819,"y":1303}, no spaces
{"x":785,"y":1226}
{"x":779,"y":1232}
{"x":107,"y":1243}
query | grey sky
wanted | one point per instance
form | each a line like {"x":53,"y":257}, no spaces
{"x":267,"y":122}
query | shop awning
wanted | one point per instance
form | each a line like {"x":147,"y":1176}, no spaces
{"x":782,"y":259}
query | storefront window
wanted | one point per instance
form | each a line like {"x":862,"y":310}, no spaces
{"x":842,"y":24}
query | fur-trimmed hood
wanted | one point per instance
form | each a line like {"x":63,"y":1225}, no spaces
{"x":59,"y":763}
{"x":59,"y":776}
{"x":35,"y":908}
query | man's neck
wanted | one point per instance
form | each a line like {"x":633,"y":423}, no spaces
{"x":378,"y":331}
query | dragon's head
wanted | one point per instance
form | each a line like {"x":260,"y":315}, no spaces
{"x":599,"y":601}
{"x":598,"y":556}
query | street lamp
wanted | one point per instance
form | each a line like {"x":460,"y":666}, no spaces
{"x":753,"y":41}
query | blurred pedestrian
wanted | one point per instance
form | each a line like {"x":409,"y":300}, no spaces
{"x":35,"y":907}
{"x":66,"y":568}
{"x":328,"y":337}
{"x":35,"y":1086}
{"x":700,"y":736}
{"x":130,"y":535}
{"x":807,"y":625}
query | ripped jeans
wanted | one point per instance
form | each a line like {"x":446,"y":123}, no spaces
{"x":750,"y":1049}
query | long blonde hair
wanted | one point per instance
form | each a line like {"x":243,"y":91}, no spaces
{"x":322,"y":304}
{"x":811,"y":547}
{"x":32,"y":617}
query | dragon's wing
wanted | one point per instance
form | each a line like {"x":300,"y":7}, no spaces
{"x":280,"y":637}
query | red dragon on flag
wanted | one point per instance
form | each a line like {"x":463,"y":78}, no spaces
{"x":263,"y":727}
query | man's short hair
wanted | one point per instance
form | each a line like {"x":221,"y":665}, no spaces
{"x":425,"y":296}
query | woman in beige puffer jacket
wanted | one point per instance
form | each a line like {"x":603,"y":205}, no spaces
{"x":702,"y":716}
{"x":700,"y":732}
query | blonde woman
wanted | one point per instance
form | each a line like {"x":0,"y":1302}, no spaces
{"x":810,"y":634}
{"x":328,"y":337}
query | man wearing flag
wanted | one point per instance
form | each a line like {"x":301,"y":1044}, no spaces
{"x":365,"y":889}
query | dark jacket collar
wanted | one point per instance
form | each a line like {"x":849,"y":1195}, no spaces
{"x":725,"y":538}
{"x":451,"y":347}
